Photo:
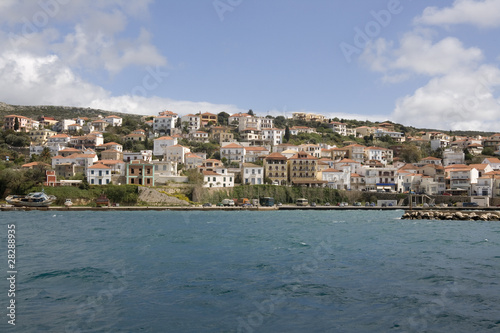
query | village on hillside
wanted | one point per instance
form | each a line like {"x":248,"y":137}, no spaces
{"x":222,"y":150}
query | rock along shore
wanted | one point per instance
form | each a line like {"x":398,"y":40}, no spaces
{"x":452,"y":215}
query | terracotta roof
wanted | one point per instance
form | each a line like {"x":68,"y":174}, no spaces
{"x":275,"y":156}
{"x":98,"y":166}
{"x":303,"y":156}
{"x":233,"y":145}
{"x":332,"y":170}
{"x":210,"y":173}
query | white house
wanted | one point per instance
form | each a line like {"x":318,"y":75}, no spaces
{"x":143,"y":155}
{"x":273,"y":135}
{"x":339,"y":128}
{"x":176,"y":153}
{"x":164,"y":124}
{"x":383,"y":155}
{"x":99,"y":174}
{"x":252,"y":174}
{"x":191,"y":121}
{"x":214,"y":179}
{"x":337,"y":179}
{"x":114,"y":120}
{"x":451,"y":157}
{"x":85,"y":160}
{"x":161,"y":143}
{"x":253,"y":153}
{"x":493,"y":162}
{"x":233,"y":152}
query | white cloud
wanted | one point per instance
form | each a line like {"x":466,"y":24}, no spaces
{"x":458,"y":100}
{"x":99,"y":37}
{"x":47,"y":81}
{"x":484,"y":14}
{"x":460,"y":93}
{"x":419,"y":55}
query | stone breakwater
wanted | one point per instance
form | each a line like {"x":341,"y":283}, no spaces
{"x":452,"y":215}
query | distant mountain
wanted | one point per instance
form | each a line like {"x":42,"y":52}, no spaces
{"x":58,"y":112}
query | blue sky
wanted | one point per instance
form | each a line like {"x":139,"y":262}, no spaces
{"x":422,"y":63}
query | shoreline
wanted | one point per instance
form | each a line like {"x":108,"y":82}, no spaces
{"x":258,"y":208}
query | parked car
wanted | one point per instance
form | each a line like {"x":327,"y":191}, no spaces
{"x":327,"y":204}
{"x":279,"y":204}
{"x":207,"y":204}
{"x":313,"y":204}
{"x":470,"y":204}
{"x":357,"y":203}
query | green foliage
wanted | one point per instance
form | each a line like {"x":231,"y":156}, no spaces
{"x":283,"y":194}
{"x":194,"y":176}
{"x":223,"y":118}
{"x":122,"y":194}
{"x":410,"y":153}
{"x":280,"y":122}
{"x":488,"y":151}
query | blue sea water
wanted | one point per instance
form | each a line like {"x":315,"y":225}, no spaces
{"x":278,"y":271}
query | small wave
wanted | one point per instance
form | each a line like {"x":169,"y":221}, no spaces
{"x":79,"y":273}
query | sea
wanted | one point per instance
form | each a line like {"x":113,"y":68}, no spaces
{"x":248,"y":271}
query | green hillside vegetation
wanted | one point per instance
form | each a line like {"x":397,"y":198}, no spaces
{"x":57,"y":112}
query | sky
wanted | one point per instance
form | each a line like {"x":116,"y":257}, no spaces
{"x":429,"y":64}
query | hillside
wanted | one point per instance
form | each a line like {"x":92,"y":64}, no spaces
{"x":58,"y":112}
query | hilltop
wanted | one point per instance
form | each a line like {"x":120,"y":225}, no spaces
{"x":58,"y":112}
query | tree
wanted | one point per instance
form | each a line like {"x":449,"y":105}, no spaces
{"x":250,"y":112}
{"x":410,"y":153}
{"x":223,"y":118}
{"x":194,"y":176}
{"x":16,"y":124}
{"x":286,"y":137}
{"x":488,"y":151}
{"x":45,"y":155}
{"x":280,"y":122}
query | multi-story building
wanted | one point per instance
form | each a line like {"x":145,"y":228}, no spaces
{"x":192,"y":122}
{"x":99,"y":174}
{"x":339,"y":128}
{"x":140,"y":173}
{"x":383,"y":155}
{"x":113,"y":120}
{"x":164,"y":124}
{"x":176,"y":153}
{"x":311,"y":149}
{"x":161,"y":143}
{"x":207,"y":118}
{"x":40,"y":136}
{"x":254,"y":153}
{"x":276,"y":168}
{"x":274,"y":136}
{"x":20,"y":123}
{"x":252,"y":174}
{"x":221,"y":134}
{"x":356,"y":152}
{"x":233,"y":152}
{"x":337,"y":179}
{"x":303,"y":170}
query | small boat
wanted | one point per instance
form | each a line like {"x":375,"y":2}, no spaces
{"x":34,"y":199}
{"x":102,"y":200}
{"x":68,"y":203}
